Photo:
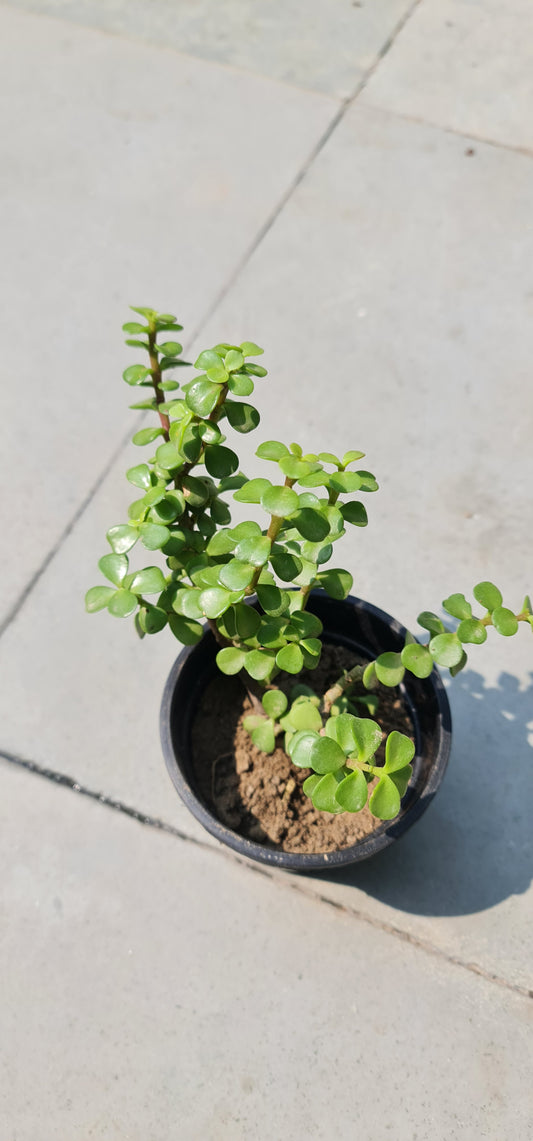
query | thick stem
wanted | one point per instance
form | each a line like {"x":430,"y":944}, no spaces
{"x":156,"y":381}
{"x":276,"y":523}
{"x":340,"y":687}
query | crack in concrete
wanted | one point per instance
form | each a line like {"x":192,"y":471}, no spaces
{"x":281,"y":880}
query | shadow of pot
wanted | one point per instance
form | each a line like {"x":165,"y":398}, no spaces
{"x":365,"y":630}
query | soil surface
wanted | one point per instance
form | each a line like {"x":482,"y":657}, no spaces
{"x":261,"y":796}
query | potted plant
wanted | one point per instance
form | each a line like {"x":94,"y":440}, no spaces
{"x":302,"y":726}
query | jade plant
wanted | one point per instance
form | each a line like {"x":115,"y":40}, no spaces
{"x":213,"y":570}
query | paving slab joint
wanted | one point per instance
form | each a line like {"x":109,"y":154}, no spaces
{"x":283,"y":882}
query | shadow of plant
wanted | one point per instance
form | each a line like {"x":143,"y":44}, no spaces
{"x":474,"y":847}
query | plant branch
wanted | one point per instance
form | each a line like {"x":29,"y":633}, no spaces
{"x":156,"y":379}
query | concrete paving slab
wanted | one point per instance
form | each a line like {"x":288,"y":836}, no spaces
{"x":468,"y":67}
{"x":129,"y":174}
{"x":326,"y":45}
{"x":155,"y":989}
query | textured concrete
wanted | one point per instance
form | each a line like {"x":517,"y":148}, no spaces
{"x":325,"y":45}
{"x":468,"y":67}
{"x":116,"y":189}
{"x":154,"y":986}
{"x":156,"y":990}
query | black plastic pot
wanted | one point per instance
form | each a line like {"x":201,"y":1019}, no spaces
{"x":366,"y":630}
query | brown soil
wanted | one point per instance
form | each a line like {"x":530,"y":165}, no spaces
{"x":261,"y":796}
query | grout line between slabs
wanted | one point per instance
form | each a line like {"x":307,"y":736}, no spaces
{"x":290,"y":884}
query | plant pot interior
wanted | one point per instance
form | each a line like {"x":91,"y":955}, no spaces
{"x":258,"y":798}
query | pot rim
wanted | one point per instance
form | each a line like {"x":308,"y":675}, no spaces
{"x":312,"y":861}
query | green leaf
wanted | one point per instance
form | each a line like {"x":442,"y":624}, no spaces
{"x":233,"y":360}
{"x":457,"y":606}
{"x":196,"y":493}
{"x":230,"y":660}
{"x":240,"y":384}
{"x":252,"y":491}
{"x":401,"y":778}
{"x":305,"y":715}
{"x":202,"y":396}
{"x":250,"y":349}
{"x":326,"y":756}
{"x":272,"y":450}
{"x":114,"y":567}
{"x":385,"y":800}
{"x":242,"y":417}
{"x":431,"y":622}
{"x":271,"y":632}
{"x":274,"y":702}
{"x":454,"y":670}
{"x":279,"y":500}
{"x":472,"y":630}
{"x":329,"y":458}
{"x":220,"y":462}
{"x":286,"y":566}
{"x":256,"y":369}
{"x":214,"y":601}
{"x":152,"y":619}
{"x":185,"y":630}
{"x":236,"y":575}
{"x":311,"y":524}
{"x":306,"y":624}
{"x":351,"y":457}
{"x":369,"y":676}
{"x":352,"y":792}
{"x":354,"y":512}
{"x":168,"y":456}
{"x":300,"y":746}
{"x":122,"y":538}
{"x":290,"y":658}
{"x":146,"y":405}
{"x":446,"y":649}
{"x":324,"y":793}
{"x":315,"y":479}
{"x":259,"y":664}
{"x":417,"y":659}
{"x":488,"y":595}
{"x":149,"y":314}
{"x":134,"y":327}
{"x":336,"y":582}
{"x":273,"y":600}
{"x":155,"y":494}
{"x":310,"y":784}
{"x":344,"y":481}
{"x":97,"y":598}
{"x":170,"y":349}
{"x":311,"y":649}
{"x":122,"y":604}
{"x":368,"y":481}
{"x":504,"y":621}
{"x":341,"y":730}
{"x":295,"y":468}
{"x":139,"y":475}
{"x":368,"y":736}
{"x":150,"y":580}
{"x":154,"y":536}
{"x":147,"y":436}
{"x":255,"y":550}
{"x":222,"y":543}
{"x":135,"y":374}
{"x":264,"y":738}
{"x":389,"y":669}
{"x":187,"y":603}
{"x":208,"y":359}
{"x":399,"y":752}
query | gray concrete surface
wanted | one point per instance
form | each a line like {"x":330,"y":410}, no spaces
{"x":167,"y":992}
{"x":151,"y":982}
{"x":321,"y":45}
